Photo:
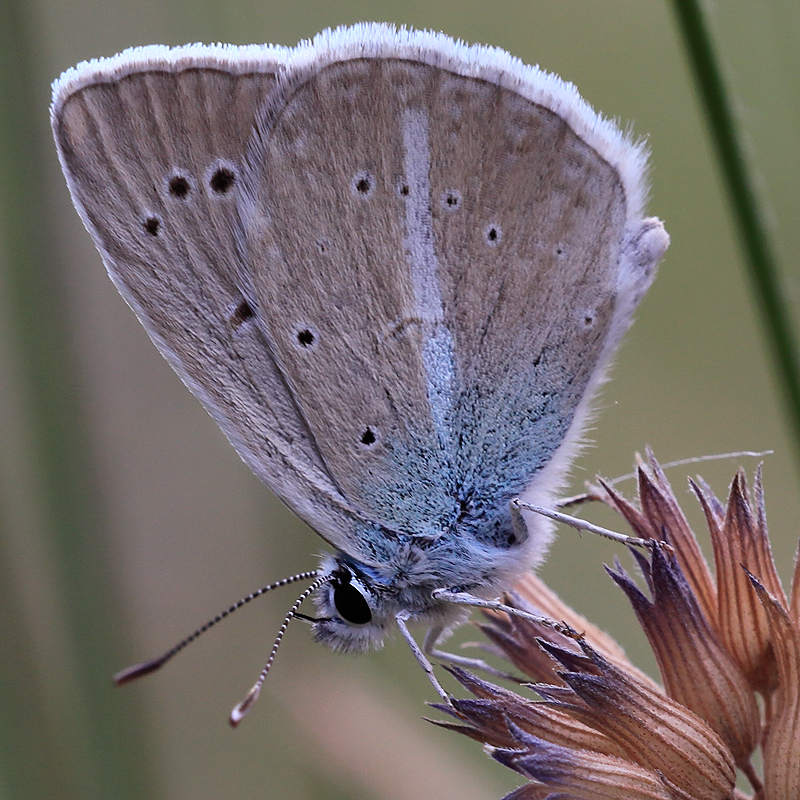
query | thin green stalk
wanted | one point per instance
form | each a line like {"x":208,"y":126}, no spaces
{"x":762,"y":265}
{"x":99,"y":751}
{"x":26,"y":726}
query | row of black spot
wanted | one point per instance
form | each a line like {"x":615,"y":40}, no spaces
{"x":363,"y":184}
{"x":222,"y":181}
{"x":180,"y":187}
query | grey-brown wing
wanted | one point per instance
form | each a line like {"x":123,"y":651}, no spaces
{"x":439,"y":260}
{"x":152,"y":145}
{"x":349,"y":292}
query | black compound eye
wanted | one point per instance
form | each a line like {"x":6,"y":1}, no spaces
{"x":351,"y":604}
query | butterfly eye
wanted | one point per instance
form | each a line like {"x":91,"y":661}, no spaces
{"x":351,"y":604}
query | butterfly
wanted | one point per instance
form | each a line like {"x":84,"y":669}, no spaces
{"x":393,"y":268}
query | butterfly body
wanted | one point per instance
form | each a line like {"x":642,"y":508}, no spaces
{"x":393,"y":269}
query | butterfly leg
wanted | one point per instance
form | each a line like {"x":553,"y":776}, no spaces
{"x":420,"y":656}
{"x":581,"y":524}
{"x":436,"y":634}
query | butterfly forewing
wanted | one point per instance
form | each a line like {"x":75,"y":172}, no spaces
{"x":154,"y":162}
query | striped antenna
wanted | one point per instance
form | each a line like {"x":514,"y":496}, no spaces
{"x":237,"y":715}
{"x":146,"y":667}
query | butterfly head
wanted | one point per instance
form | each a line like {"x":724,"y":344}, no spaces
{"x":357,"y":604}
{"x":350,"y":607}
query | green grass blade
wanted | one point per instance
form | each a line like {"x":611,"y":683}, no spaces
{"x":99,"y":743}
{"x":749,"y":220}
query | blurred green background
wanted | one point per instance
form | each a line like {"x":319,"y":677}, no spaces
{"x":126,"y":518}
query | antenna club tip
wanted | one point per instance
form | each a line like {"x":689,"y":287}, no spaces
{"x":235,"y":718}
{"x":137,"y":671}
{"x":240,"y":710}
